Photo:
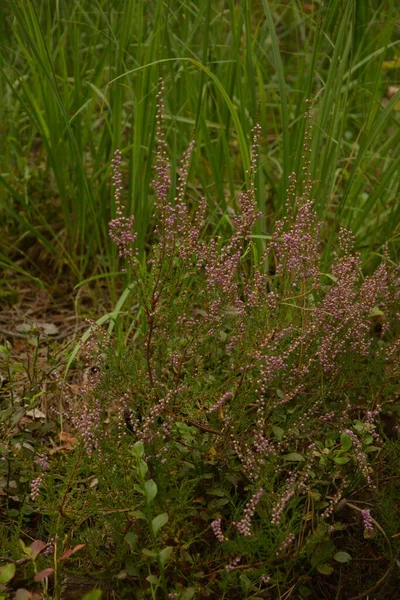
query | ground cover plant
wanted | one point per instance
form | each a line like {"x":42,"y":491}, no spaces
{"x":229,"y":429}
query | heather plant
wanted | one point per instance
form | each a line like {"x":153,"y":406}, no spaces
{"x":222,"y":446}
{"x":249,"y":391}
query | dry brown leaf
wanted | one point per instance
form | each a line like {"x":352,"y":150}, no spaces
{"x":68,"y":443}
{"x":391,"y":91}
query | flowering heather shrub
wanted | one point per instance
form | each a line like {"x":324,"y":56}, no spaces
{"x":265,"y":382}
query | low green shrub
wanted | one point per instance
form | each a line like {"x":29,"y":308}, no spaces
{"x":229,"y":448}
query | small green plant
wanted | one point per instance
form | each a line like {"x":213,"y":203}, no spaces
{"x":148,"y":488}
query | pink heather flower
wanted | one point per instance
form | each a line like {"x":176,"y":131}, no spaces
{"x":334,"y":501}
{"x":288,"y":541}
{"x":233,"y":564}
{"x":36,"y":484}
{"x":243,"y":526}
{"x":121,"y":228}
{"x":220,"y":402}
{"x":367,"y":520}
{"x":361,"y":457}
{"x":297,"y":481}
{"x":88,"y":426}
{"x":296,"y":245}
{"x":216,"y":527}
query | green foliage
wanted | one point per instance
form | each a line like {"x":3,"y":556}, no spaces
{"x":79,"y":81}
{"x":7,"y":572}
{"x":93,"y":595}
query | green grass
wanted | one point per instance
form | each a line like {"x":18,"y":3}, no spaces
{"x":78,"y":80}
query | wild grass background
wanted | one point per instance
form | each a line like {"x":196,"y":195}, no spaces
{"x":79,"y":79}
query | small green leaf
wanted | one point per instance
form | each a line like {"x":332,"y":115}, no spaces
{"x":138,"y":514}
{"x":325,"y":569}
{"x":369,"y":534}
{"x":322,"y":553}
{"x":7,"y":572}
{"x":150,"y":553}
{"x":341,"y":460}
{"x":150,"y":490}
{"x":24,"y":548}
{"x":376,"y":312}
{"x":121,"y":575}
{"x":278,"y":432}
{"x":372,"y":449}
{"x":4,"y":352}
{"x":346,"y":441}
{"x":217,"y":492}
{"x":158,"y":522}
{"x":293,"y":457}
{"x":138,"y":449}
{"x":143,"y":469}
{"x":153,"y":580}
{"x":304,"y":591}
{"x":131,"y":540}
{"x":165,"y":554}
{"x":368,"y":439}
{"x":131,"y":567}
{"x":188,"y":593}
{"x":93,"y":595}
{"x":342,"y":557}
{"x":218,"y":503}
{"x":245,"y":582}
{"x":138,"y":488}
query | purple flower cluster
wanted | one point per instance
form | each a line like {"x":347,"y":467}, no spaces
{"x":216,"y":527}
{"x":243,"y":526}
{"x":36,"y":484}
{"x":224,"y":398}
{"x":287,"y":542}
{"x":367,"y":520}
{"x":296,"y":482}
{"x":87,"y":422}
{"x":334,"y":501}
{"x":361,"y":457}
{"x":233,"y":565}
{"x":121,"y":228}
